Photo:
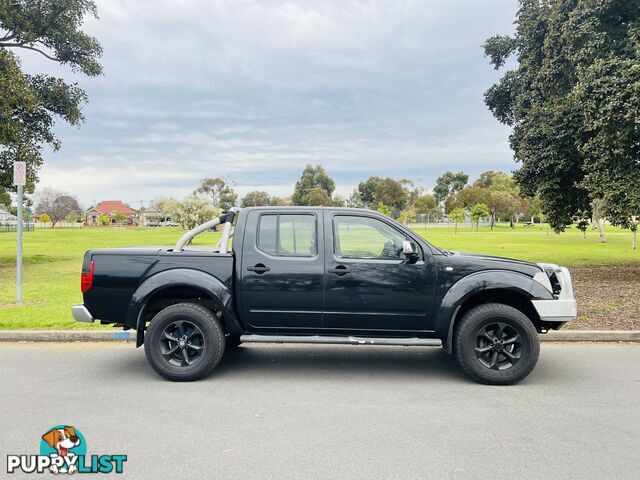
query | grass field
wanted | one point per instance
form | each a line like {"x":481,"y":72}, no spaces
{"x":52,"y":260}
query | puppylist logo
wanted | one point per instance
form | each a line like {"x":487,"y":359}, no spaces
{"x":63,"y":449}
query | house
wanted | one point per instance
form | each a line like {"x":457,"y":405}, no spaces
{"x":110,"y":209}
{"x":6,"y":216}
{"x":154,"y":218}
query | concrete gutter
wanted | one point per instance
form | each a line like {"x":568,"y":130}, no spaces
{"x":591,"y":336}
{"x":130,"y":335}
{"x":66,"y":335}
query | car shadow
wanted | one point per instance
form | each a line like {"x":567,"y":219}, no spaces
{"x":291,"y":361}
{"x":305,"y":362}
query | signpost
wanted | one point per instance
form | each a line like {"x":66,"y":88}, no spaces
{"x":19,"y":179}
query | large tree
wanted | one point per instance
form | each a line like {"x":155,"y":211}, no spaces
{"x":312,"y":177}
{"x":56,"y":205}
{"x":376,"y":191}
{"x":449,"y":183}
{"x":258,"y":198}
{"x":189,"y":213}
{"x":573,"y":101}
{"x":318,"y":197}
{"x":31,"y":104}
{"x":426,"y":205}
{"x":216,"y":192}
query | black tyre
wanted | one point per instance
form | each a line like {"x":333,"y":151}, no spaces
{"x":184,"y":342}
{"x":496,"y":344}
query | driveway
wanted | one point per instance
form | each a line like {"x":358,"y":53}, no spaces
{"x":318,"y":412}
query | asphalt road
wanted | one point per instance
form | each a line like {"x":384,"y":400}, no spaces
{"x":340,"y":412}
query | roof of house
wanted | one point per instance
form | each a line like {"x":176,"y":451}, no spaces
{"x":107,"y":207}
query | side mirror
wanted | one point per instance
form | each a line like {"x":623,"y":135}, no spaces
{"x":410,"y":249}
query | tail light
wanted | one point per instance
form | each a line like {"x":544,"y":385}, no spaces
{"x":87,"y":279}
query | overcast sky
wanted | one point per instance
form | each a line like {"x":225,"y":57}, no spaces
{"x":254,"y":90}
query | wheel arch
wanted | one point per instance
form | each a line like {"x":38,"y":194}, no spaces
{"x":176,"y":286}
{"x":496,"y":286}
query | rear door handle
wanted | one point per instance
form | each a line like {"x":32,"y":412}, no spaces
{"x":259,"y":268}
{"x":339,"y":270}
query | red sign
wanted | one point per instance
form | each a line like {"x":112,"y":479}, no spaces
{"x":19,"y":173}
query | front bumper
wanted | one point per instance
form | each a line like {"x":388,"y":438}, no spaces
{"x":564,"y":308}
{"x":81,"y":314}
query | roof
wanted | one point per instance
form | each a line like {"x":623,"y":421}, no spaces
{"x":107,"y":207}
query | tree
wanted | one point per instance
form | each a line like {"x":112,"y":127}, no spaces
{"x":30,"y":104}
{"x":354,"y":200}
{"x":367,"y":191}
{"x":503,"y":204}
{"x":103,"y":220}
{"x":119,"y":217}
{"x":56,"y":204}
{"x":493,"y":180}
{"x":5,"y":199}
{"x":573,"y":104}
{"x":256,"y":198}
{"x":216,"y":192}
{"x":412,"y":191}
{"x":384,"y":209}
{"x":583,"y":225}
{"x":376,"y":191}
{"x":189,"y":213}
{"x":448,"y":184}
{"x":479,"y":210}
{"x":338,"y":201}
{"x":457,"y":215}
{"x":73,"y":217}
{"x":467,"y":198}
{"x":45,"y":218}
{"x":598,"y":221}
{"x":407,"y":216}
{"x":312,"y":177}
{"x":392,"y":193}
{"x":317,"y":197}
{"x":426,"y":205}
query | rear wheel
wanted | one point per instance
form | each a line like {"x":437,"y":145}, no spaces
{"x":496,"y":344}
{"x":184,"y":342}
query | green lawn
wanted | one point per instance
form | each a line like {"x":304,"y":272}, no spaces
{"x":52,"y":260}
{"x":539,"y":244}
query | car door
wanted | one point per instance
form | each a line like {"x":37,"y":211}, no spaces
{"x":370,"y":285}
{"x":282,"y":270}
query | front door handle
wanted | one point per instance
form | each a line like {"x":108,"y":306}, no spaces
{"x":339,"y":270}
{"x":259,"y":268}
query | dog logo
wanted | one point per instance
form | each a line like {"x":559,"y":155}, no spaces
{"x":64,"y":440}
{"x":63,"y":449}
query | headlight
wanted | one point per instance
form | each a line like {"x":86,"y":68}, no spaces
{"x":543,"y":279}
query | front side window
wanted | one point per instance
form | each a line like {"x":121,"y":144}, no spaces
{"x":364,"y":237}
{"x":287,"y":235}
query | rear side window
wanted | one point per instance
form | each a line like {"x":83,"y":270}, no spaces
{"x":287,"y":235}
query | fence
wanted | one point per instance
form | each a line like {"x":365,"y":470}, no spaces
{"x":12,"y":228}
{"x":60,"y":225}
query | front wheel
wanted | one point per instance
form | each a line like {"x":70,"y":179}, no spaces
{"x":184,"y":342}
{"x":496,"y":344}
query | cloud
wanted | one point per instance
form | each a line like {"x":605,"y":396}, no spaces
{"x":254,"y":90}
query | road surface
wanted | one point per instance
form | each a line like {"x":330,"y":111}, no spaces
{"x":337,"y":412}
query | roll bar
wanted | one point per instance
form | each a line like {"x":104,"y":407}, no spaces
{"x":226,"y":219}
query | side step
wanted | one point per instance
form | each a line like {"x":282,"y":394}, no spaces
{"x":331,"y":340}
